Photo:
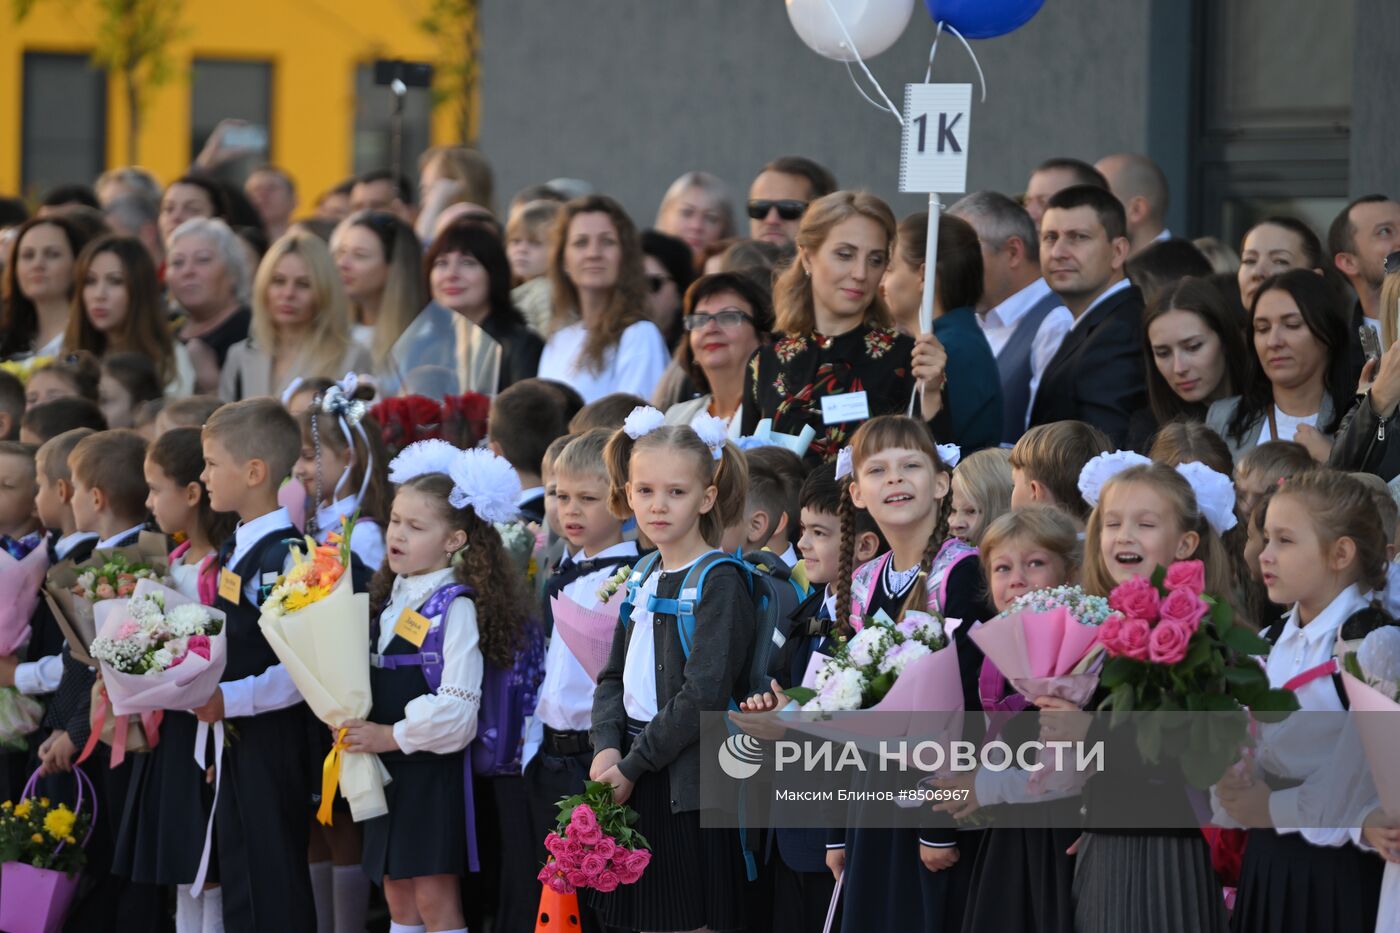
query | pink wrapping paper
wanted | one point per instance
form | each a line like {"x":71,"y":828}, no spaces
{"x":1381,"y":737}
{"x":185,"y":686}
{"x":587,"y":632}
{"x":1037,"y":651}
{"x":20,"y":582}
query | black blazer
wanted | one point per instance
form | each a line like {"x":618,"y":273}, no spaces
{"x":1097,"y":375}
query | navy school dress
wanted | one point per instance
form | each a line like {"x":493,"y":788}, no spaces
{"x":260,"y":824}
{"x":427,"y":799}
{"x":886,"y":886}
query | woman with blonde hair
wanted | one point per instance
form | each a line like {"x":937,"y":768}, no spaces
{"x":697,"y":209}
{"x":381,"y":267}
{"x":301,"y":323}
{"x":450,"y":175}
{"x":836,"y":336}
{"x":601,"y":339}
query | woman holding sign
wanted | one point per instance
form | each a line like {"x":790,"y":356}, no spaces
{"x":838,"y":360}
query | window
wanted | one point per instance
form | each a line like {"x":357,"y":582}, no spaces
{"x":374,"y":109}
{"x":222,"y":89}
{"x":1274,"y":112}
{"x":64,"y":126}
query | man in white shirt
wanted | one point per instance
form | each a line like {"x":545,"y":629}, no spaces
{"x":1022,"y":319}
{"x":1141,"y":187}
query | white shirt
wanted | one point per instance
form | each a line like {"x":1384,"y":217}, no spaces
{"x":42,"y":676}
{"x":366,"y":539}
{"x":112,"y":541}
{"x":1113,"y":289}
{"x":273,"y":689}
{"x":566,"y":695}
{"x":999,"y":323}
{"x":635,"y":365}
{"x":1287,"y":426}
{"x":442,"y":722}
{"x":639,"y":671}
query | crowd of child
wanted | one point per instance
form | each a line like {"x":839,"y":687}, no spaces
{"x":897,"y":524}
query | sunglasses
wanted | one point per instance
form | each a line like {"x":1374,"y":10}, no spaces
{"x":1392,"y":263}
{"x":657,"y":282}
{"x":728,"y":318}
{"x":787,"y":210}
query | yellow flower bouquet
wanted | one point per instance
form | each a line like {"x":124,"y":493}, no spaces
{"x":42,"y":848}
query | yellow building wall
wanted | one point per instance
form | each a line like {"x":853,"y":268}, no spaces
{"x":313,"y":47}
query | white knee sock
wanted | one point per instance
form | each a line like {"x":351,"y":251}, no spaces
{"x":321,"y":894}
{"x":213,"y":910}
{"x":458,"y":930}
{"x":351,"y":895}
{"x":406,"y":928}
{"x":189,"y":911}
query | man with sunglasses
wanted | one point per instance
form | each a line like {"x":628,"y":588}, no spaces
{"x":780,"y":194}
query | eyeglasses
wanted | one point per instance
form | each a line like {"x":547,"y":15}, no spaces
{"x":787,"y":210}
{"x":657,"y":282}
{"x":1392,"y":263}
{"x":727,"y":318}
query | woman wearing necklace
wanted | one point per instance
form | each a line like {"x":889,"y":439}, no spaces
{"x":727,"y":317}
{"x":838,"y":361}
{"x":1299,"y":378}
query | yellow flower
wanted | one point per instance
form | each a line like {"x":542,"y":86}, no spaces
{"x":44,"y":802}
{"x":59,"y":823}
{"x":36,"y":838}
{"x":22,"y":811}
{"x":6,"y":805}
{"x":69,"y":840}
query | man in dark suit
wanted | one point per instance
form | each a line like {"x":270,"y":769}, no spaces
{"x":1097,"y":374}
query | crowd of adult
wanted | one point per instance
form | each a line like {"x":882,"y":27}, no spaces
{"x":1070,"y":301}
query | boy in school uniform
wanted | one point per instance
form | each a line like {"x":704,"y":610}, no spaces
{"x":260,"y":818}
{"x":771,"y":513}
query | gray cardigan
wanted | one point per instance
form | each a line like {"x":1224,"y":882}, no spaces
{"x":1219,"y":415}
{"x":714,"y":672}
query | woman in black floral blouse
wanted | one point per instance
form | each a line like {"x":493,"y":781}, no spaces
{"x":835,"y":334}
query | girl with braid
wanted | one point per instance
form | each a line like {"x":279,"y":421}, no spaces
{"x":907,"y":878}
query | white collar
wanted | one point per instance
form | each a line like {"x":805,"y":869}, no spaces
{"x":1164,"y":235}
{"x":1011,"y":310}
{"x":1113,"y":289}
{"x":328,"y":517}
{"x":64,"y":545}
{"x":534,"y":492}
{"x":250,"y":533}
{"x":1324,"y":627}
{"x":415,"y":589}
{"x":112,"y":541}
{"x":790,"y":556}
{"x":621,"y":549}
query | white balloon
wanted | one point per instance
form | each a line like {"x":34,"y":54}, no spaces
{"x":872,"y":25}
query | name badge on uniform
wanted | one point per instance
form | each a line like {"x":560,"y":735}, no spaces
{"x":230,"y":586}
{"x":412,"y":627}
{"x":848,"y":406}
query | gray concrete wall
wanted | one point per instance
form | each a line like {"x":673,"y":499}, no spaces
{"x":1375,"y":105}
{"x":630,"y":93}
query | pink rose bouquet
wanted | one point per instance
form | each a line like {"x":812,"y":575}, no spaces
{"x":1172,"y":647}
{"x":595,"y":844}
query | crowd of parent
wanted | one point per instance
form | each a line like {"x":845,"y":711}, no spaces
{"x":1069,"y":301}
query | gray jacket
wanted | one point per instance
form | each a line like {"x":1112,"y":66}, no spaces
{"x":1220,"y":414}
{"x":706,"y":681}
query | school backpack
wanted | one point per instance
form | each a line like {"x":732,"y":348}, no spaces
{"x":507,"y":693}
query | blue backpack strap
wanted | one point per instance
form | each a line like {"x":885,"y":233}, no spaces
{"x":429,"y":655}
{"x":640,"y":572}
{"x":683,"y":606}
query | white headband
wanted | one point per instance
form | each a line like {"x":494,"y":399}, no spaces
{"x":1215,"y":493}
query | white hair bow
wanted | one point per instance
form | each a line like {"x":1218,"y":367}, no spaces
{"x":713,"y":432}
{"x":642,"y":421}
{"x":487,"y":483}
{"x":431,"y":456}
{"x":1214,"y":491}
{"x":844,"y":466}
{"x":950,"y":454}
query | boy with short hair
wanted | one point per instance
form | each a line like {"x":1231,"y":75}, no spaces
{"x":109,"y":486}
{"x":771,"y":511}
{"x":189,"y":412}
{"x":524,"y":420}
{"x":46,"y":421}
{"x":18,"y":520}
{"x":11,"y":406}
{"x":1046,"y":462}
{"x":261,"y":815}
{"x":595,"y":551}
{"x":609,"y":412}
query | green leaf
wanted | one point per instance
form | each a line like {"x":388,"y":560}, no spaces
{"x":1244,"y":641}
{"x":1149,"y":738}
{"x":1118,"y":671}
{"x":1276,"y":701}
{"x":1158,"y":576}
{"x":1246,"y":675}
{"x":803,"y":695}
{"x":1223,"y":617}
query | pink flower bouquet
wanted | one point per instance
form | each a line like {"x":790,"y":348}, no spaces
{"x":594,"y":844}
{"x":20,"y":581}
{"x":1046,"y":644}
{"x":74,"y":589}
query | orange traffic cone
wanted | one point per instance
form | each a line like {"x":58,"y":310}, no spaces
{"x":557,"y":912}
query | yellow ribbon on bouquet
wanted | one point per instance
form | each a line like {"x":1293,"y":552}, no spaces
{"x":330,"y":777}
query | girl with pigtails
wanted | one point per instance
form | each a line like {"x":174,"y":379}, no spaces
{"x":684,"y":484}
{"x":906,"y":878}
{"x":446,"y":602}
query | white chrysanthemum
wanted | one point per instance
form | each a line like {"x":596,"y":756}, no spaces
{"x":487,"y":483}
{"x":431,"y":456}
{"x":901,"y":656}
{"x":1379,"y":655}
{"x":850,"y":686}
{"x":868,"y":645}
{"x":642,"y":420}
{"x":189,"y":619}
{"x":161,"y":659}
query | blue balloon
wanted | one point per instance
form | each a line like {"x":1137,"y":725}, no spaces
{"x":983,"y":19}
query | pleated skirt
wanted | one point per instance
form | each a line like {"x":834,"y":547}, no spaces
{"x":167,"y":809}
{"x":1287,"y":884}
{"x":1146,"y":884}
{"x":1022,"y":880}
{"x":424,"y":832}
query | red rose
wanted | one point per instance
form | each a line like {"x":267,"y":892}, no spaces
{"x":1134,"y":638}
{"x":583,"y":817}
{"x":1186,"y":575}
{"x":593,"y":864}
{"x":1137,"y":599}
{"x":607,"y":882}
{"x":1110,"y":632}
{"x":1183,"y":607}
{"x":606,"y":847}
{"x":1168,"y":642}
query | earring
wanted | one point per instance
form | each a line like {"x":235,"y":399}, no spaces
{"x":808,"y":271}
